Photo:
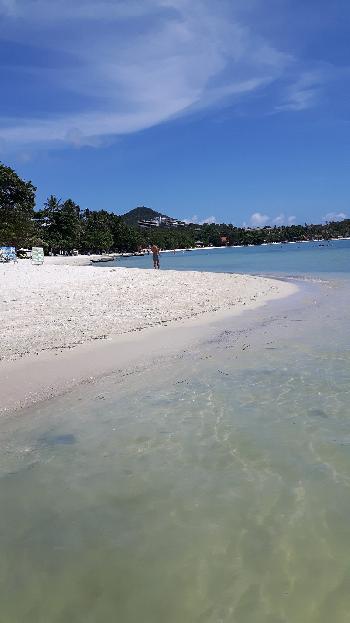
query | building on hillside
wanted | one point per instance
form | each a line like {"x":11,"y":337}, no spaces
{"x":161,"y":221}
{"x":148,"y":223}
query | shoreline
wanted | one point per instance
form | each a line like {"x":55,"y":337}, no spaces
{"x":33,"y":380}
{"x":52,"y":307}
{"x":85,"y":260}
{"x":57,"y":362}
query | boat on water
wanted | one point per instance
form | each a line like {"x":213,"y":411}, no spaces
{"x":103,"y":259}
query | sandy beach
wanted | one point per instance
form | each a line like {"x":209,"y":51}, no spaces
{"x":61,"y":323}
{"x":55,"y":307}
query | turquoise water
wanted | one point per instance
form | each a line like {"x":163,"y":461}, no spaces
{"x":209,"y":487}
{"x":314,"y":258}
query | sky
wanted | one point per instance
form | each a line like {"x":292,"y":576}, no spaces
{"x":207,"y":110}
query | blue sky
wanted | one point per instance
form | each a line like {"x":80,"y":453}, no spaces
{"x":226,"y":110}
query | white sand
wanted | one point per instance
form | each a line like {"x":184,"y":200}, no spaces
{"x":59,"y":306}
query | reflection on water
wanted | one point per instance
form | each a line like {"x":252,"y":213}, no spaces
{"x":213,"y":488}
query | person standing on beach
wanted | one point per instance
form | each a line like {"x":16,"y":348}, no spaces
{"x":155,"y":253}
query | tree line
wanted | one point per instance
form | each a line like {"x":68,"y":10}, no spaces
{"x":61,"y":226}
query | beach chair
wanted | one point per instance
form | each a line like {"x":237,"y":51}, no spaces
{"x":37,"y":256}
{"x":8,"y":254}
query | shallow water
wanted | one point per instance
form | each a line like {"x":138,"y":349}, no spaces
{"x":213,"y":488}
{"x":307,"y":258}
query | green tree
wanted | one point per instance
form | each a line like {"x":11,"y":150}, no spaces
{"x":125,"y":237}
{"x":51,"y":207}
{"x":17,"y":201}
{"x":60,"y":225}
{"x":97,"y":236}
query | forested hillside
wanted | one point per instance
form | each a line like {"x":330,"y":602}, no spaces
{"x":140,"y":214}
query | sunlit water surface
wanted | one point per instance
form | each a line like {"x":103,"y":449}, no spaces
{"x":212,"y":488}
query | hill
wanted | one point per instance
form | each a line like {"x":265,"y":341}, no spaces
{"x":140,"y":214}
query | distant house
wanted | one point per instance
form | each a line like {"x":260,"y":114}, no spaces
{"x":199,"y":244}
{"x":224,"y":240}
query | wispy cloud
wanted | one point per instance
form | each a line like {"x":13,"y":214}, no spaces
{"x":304,"y":92}
{"x":139,"y":63}
{"x":334,"y":216}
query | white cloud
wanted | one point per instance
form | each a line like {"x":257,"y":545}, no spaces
{"x":334,"y":216}
{"x":282,"y":219}
{"x":259,"y":220}
{"x":279,"y":220}
{"x":136,"y":63}
{"x":192,"y":219}
{"x":210,"y":220}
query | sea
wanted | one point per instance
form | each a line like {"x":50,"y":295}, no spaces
{"x":288,"y":259}
{"x":210,"y":487}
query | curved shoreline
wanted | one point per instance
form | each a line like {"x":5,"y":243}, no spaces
{"x":65,"y":325}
